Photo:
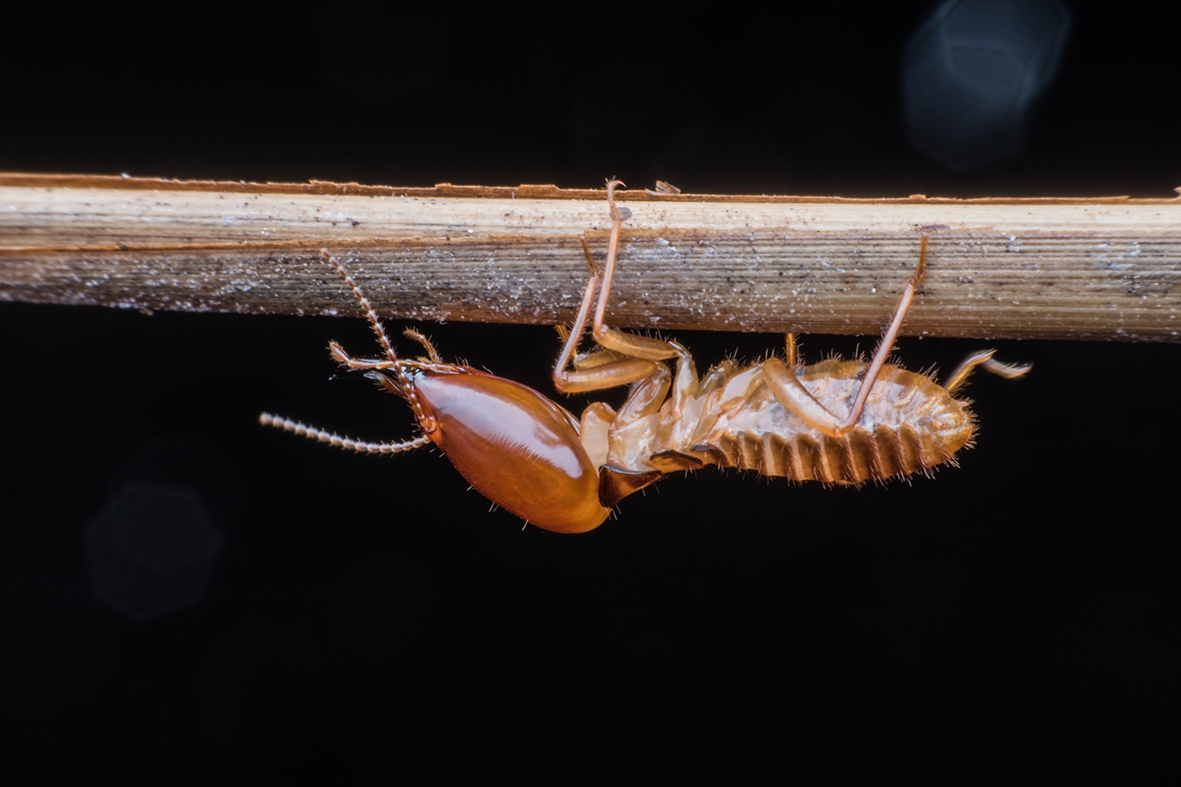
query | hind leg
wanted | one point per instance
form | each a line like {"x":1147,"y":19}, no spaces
{"x":792,"y":394}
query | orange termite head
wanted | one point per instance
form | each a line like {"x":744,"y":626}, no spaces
{"x":513,"y":445}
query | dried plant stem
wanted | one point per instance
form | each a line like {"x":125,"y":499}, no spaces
{"x":1104,"y":268}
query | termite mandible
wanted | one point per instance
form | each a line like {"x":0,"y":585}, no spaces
{"x":837,"y":422}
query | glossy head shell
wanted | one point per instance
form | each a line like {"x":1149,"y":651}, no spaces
{"x":514,"y":446}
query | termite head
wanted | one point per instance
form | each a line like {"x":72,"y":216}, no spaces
{"x":516,"y":447}
{"x":403,"y":385}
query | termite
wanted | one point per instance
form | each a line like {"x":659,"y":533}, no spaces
{"x":838,"y":422}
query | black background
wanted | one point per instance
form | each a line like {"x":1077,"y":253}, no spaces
{"x":1015,"y":617}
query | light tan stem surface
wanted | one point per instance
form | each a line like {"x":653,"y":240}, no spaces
{"x":1103,"y":268}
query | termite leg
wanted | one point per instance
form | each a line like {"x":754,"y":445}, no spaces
{"x":983,"y":358}
{"x":625,"y":358}
{"x":629,"y":344}
{"x":608,"y":374}
{"x":602,"y":355}
{"x":795,"y":397}
{"x":790,"y":346}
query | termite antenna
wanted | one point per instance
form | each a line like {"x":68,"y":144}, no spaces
{"x":374,"y":322}
{"x":347,"y":443}
{"x":399,"y":368}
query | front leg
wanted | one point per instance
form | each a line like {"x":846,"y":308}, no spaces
{"x":611,"y":373}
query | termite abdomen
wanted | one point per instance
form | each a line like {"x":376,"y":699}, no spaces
{"x":909,"y":424}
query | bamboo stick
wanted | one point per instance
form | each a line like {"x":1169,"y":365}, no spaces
{"x":1104,"y":268}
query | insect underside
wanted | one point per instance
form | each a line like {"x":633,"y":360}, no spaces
{"x":732,"y":419}
{"x":837,"y":422}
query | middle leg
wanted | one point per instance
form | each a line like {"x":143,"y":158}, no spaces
{"x":624,"y":358}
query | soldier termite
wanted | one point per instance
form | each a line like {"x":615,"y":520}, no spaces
{"x":837,"y":422}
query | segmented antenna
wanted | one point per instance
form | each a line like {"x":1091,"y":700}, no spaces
{"x":398,"y":367}
{"x":348,"y":443}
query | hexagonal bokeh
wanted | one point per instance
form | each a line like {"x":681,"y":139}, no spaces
{"x":152,"y":550}
{"x":972,"y":73}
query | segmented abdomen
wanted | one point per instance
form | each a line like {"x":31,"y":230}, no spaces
{"x":859,"y":456}
{"x":909,"y":425}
